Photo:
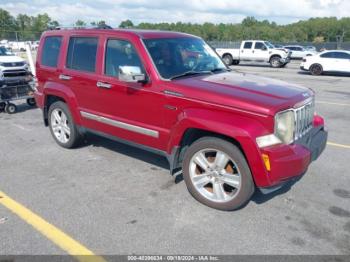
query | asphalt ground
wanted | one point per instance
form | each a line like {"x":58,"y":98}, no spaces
{"x":114,"y":199}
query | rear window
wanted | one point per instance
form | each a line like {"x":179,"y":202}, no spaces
{"x":82,"y":53}
{"x":51,"y":50}
{"x":248,"y":45}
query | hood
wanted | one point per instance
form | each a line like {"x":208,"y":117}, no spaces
{"x":244,"y":91}
{"x":11,"y":59}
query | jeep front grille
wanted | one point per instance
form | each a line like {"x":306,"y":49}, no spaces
{"x":303,"y":119}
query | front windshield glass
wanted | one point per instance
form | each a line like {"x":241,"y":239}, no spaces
{"x":175,"y":57}
{"x":3,"y":51}
{"x":269,"y":45}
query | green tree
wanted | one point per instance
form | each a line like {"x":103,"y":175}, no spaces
{"x":126,"y":24}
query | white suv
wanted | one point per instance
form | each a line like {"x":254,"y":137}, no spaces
{"x":299,"y":52}
{"x":11,"y":65}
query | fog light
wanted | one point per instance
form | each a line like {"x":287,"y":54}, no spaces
{"x":266,"y":160}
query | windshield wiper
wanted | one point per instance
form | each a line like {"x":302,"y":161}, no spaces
{"x":220,"y":70}
{"x":191,"y":73}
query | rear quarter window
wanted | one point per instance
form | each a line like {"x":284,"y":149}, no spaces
{"x":51,"y":50}
{"x":82,"y":53}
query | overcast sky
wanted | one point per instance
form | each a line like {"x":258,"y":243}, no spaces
{"x":198,"y":11}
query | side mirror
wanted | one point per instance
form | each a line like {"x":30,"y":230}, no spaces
{"x":264,"y":48}
{"x":131,"y":74}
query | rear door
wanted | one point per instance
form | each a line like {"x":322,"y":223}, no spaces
{"x":329,"y":61}
{"x":79,"y":70}
{"x":343,"y":61}
{"x":247,"y":51}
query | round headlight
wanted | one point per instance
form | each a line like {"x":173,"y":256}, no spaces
{"x":284,"y":126}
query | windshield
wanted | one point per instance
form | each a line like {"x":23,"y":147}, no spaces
{"x":269,"y":45}
{"x":186,"y":56}
{"x":3,"y":51}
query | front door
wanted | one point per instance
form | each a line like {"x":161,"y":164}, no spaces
{"x":261,"y":52}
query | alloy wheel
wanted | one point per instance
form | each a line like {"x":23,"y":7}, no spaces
{"x":215,"y":175}
{"x":60,"y":125}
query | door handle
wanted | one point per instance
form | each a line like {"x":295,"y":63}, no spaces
{"x":64,"y":77}
{"x":103,"y":85}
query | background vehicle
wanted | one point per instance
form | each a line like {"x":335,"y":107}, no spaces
{"x":311,"y":48}
{"x":327,"y":61}
{"x":170,"y":93}
{"x":15,"y":81}
{"x":298,"y":52}
{"x":255,"y":51}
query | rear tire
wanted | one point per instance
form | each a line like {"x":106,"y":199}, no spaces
{"x":10,"y":108}
{"x":62,"y":126}
{"x":227,"y":59}
{"x":235,"y":62}
{"x":217,"y":174}
{"x":31,"y":102}
{"x":2,"y":106}
{"x":316,"y":69}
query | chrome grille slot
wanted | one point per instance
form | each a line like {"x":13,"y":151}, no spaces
{"x":303,"y":119}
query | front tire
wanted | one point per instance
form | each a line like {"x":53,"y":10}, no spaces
{"x":275,"y":62}
{"x":62,"y":126}
{"x":217,"y":174}
{"x":316,"y":69}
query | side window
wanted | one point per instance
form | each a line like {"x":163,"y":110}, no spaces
{"x":298,"y":49}
{"x":248,"y":45}
{"x":82,"y":53}
{"x":328,"y":55}
{"x":51,"y":50}
{"x":341,"y":55}
{"x":120,"y":53}
{"x":259,"y":45}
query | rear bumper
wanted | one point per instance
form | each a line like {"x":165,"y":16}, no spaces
{"x":290,"y":162}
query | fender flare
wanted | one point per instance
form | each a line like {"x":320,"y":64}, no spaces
{"x":242,"y":129}
{"x":65,"y":93}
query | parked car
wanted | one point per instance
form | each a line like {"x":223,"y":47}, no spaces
{"x":310,"y":48}
{"x":255,"y":51}
{"x":170,"y":93}
{"x":298,"y":52}
{"x":337,"y":61}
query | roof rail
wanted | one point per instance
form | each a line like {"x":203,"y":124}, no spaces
{"x":103,"y":26}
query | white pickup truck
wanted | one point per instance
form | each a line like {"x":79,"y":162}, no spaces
{"x":255,"y":51}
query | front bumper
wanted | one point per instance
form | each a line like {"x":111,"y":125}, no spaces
{"x":290,"y":162}
{"x":285,"y":60}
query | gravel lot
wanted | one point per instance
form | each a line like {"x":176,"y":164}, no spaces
{"x":115,"y":199}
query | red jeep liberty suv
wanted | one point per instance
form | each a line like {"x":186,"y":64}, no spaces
{"x":170,"y":93}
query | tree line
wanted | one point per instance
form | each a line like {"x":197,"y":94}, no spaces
{"x":317,"y":30}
